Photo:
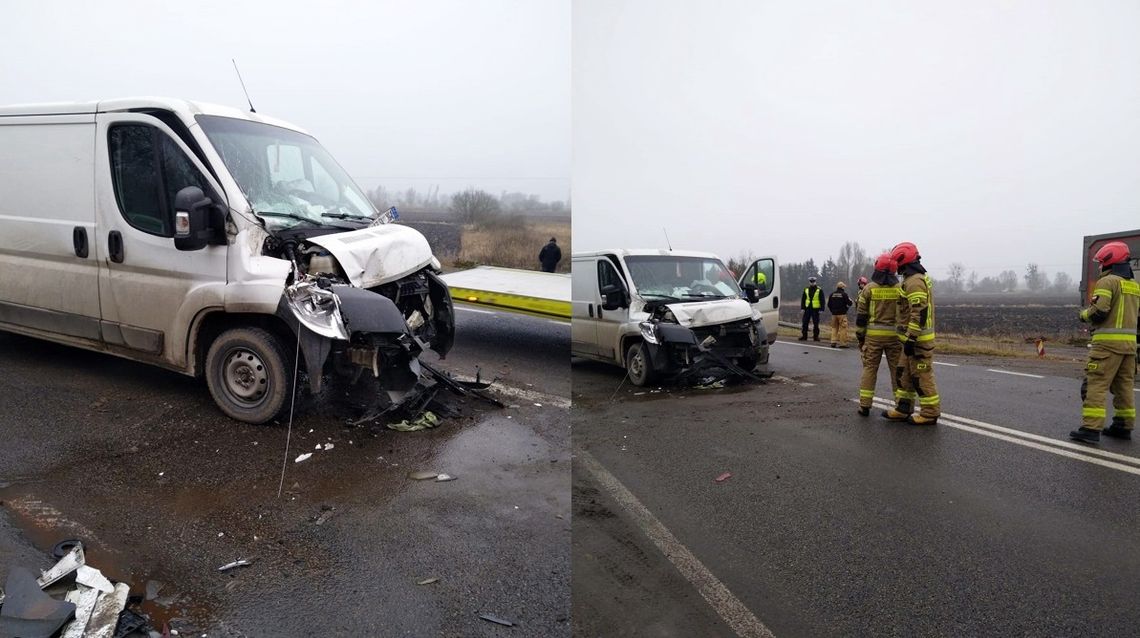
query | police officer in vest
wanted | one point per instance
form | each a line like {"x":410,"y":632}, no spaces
{"x":811,"y":302}
{"x":1112,"y":358}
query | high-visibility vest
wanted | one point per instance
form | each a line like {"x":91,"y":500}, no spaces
{"x":761,"y":279}
{"x":814,"y":302}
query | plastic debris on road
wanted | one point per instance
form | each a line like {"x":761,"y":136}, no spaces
{"x":427,"y":581}
{"x":28,"y":611}
{"x":303,"y":457}
{"x":444,"y":477}
{"x":241,"y":562}
{"x":424,"y":421}
{"x":422,"y":475}
{"x":723,"y":477}
{"x":496,"y":620}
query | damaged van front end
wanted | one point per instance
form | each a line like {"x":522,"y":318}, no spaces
{"x":367,"y":301}
{"x":704,"y":341}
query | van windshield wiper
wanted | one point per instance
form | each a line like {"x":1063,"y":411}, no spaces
{"x":659,"y":296}
{"x":705,"y":295}
{"x":346,"y":216}
{"x":301,"y":218}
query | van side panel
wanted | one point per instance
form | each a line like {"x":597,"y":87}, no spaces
{"x":583,"y":299}
{"x":47,"y":192}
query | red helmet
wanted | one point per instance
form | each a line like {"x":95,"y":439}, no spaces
{"x":905,"y":253}
{"x":862,"y":281}
{"x":1114,"y":252}
{"x":886,"y":262}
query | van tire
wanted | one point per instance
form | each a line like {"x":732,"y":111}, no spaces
{"x":637,"y":365}
{"x":249,"y":375}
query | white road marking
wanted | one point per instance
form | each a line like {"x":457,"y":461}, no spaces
{"x":796,"y":344}
{"x":943,"y":363}
{"x":482,"y":312}
{"x":1068,"y":449}
{"x":726,"y":605}
{"x":532,"y":396}
{"x":1016,"y":374}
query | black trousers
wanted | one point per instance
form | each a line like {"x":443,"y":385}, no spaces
{"x":811,"y":314}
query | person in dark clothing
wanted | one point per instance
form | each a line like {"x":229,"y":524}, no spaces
{"x":837,"y":304}
{"x":550,"y":255}
{"x":811,"y":302}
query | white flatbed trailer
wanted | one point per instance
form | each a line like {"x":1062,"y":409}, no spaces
{"x":528,"y":292}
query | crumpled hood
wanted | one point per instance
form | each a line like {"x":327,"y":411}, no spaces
{"x":710,"y":313}
{"x":379,"y":254}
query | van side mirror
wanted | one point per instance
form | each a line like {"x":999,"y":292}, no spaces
{"x":613,"y":297}
{"x":751,"y":292}
{"x":194,"y":226}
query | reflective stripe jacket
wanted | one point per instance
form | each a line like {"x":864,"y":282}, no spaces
{"x":812,"y":298}
{"x":1112,"y":315}
{"x":918,"y":309}
{"x":877,"y":311}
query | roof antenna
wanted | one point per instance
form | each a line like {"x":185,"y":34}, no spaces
{"x":251,"y":109}
{"x":667,"y":242}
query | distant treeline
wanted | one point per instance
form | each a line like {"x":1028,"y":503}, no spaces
{"x":472,"y":205}
{"x":853,"y":261}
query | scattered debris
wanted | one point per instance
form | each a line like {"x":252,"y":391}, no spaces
{"x":496,"y":620}
{"x":428,"y":581}
{"x":28,"y":612}
{"x":70,"y":562}
{"x":105,"y":616}
{"x":84,"y":600}
{"x":129,"y":622}
{"x":63,"y":547}
{"x":93,"y":578}
{"x":444,"y":477}
{"x":723,"y":477}
{"x":328,"y":446}
{"x":241,"y":562}
{"x":424,"y":421}
{"x":422,"y":475}
{"x":303,"y":457}
{"x":153,"y":588}
{"x":326,"y":514}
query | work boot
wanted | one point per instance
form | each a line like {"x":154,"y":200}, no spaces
{"x":835,"y":345}
{"x":1085,"y":435}
{"x":1118,"y":431}
{"x":815,"y":338}
{"x":918,"y":419}
{"x":895,"y":415}
{"x":803,"y":338}
{"x":864,"y":411}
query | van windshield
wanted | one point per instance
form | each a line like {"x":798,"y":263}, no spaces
{"x":287,"y":176}
{"x":681,"y":277}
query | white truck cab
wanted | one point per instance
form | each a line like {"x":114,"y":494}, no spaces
{"x":672,"y":312}
{"x":211,"y":241}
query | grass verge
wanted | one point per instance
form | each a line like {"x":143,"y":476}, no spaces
{"x":511,"y":246}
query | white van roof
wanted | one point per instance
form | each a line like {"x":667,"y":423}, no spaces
{"x":645,"y":252}
{"x":186,"y":109}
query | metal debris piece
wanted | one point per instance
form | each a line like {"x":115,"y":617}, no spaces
{"x":93,"y":578}
{"x":105,"y":616}
{"x":129,"y":623}
{"x":428,"y":581}
{"x":328,"y":446}
{"x":444,"y":477}
{"x":325,"y":516}
{"x":28,"y":612}
{"x":60,"y":549}
{"x":69,"y":563}
{"x":422,"y":475}
{"x":723,"y":477}
{"x":496,"y":620}
{"x":423,"y":422}
{"x":84,"y":599}
{"x":303,"y":457}
{"x":241,"y":562}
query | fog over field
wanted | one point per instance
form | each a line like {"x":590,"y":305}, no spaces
{"x":992,"y":134}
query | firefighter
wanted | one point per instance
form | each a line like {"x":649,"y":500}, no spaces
{"x":811,"y":302}
{"x":862,"y":283}
{"x":916,"y":331}
{"x":838,"y":304}
{"x":1112,"y":359}
{"x":876,"y":328}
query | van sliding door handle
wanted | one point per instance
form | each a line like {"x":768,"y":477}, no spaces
{"x":115,"y":246}
{"x":79,"y":241}
{"x":590,"y":309}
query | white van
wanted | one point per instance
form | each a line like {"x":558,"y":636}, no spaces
{"x":672,"y":312}
{"x":210,"y":241}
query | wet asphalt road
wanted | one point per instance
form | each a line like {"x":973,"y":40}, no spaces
{"x":836,"y":525}
{"x":139,"y":463}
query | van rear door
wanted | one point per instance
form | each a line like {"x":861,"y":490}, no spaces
{"x":150,"y":291}
{"x":764,"y":273}
{"x":48,"y":257}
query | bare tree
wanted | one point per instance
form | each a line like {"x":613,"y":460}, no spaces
{"x":1035,"y":280}
{"x":852,"y":258}
{"x":1008,"y":280}
{"x":1062,"y":282}
{"x":475,"y":206}
{"x":972,"y":282}
{"x":956,"y":277}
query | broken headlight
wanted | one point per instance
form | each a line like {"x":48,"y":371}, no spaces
{"x":649,"y":333}
{"x":317,"y":308}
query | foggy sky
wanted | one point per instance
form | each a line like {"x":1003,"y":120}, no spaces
{"x":450,"y":93}
{"x":989,"y":133}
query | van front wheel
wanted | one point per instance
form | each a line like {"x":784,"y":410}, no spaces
{"x":637,"y":364}
{"x":249,"y":375}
